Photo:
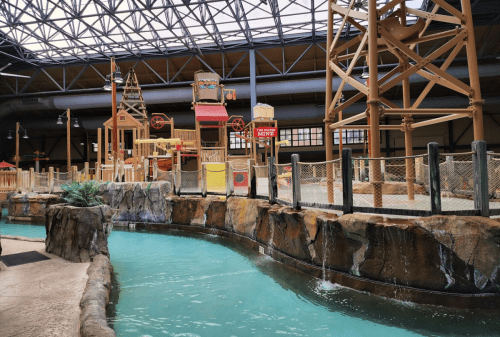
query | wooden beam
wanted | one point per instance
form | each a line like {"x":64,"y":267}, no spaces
{"x":437,"y":120}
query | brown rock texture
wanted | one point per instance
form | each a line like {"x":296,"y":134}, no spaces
{"x":141,"y":201}
{"x":441,"y":253}
{"x":77,"y":234}
{"x":31,"y":205}
{"x":242,"y":216}
{"x":95,"y":298}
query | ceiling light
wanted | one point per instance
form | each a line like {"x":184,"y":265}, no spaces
{"x":59,"y":120}
{"x":76,"y":123}
{"x":10,"y":135}
{"x":366,"y":72}
{"x":107,"y":84}
{"x":118,"y":76}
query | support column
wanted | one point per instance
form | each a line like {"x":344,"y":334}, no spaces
{"x":328,"y":101}
{"x":99,"y":145}
{"x":17,"y":145}
{"x":373,"y":102}
{"x":480,"y":164}
{"x":407,"y":121}
{"x":476,"y":100}
{"x":253,"y":81}
{"x":68,"y":140}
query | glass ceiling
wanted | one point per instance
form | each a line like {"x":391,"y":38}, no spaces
{"x":57,"y":31}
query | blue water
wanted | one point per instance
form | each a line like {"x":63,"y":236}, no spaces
{"x":178,"y":284}
{"x":27,"y":229}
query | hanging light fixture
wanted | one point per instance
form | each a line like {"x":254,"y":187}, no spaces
{"x":59,"y":120}
{"x":10,"y":135}
{"x":342,"y":99}
{"x":107,"y":83}
{"x":118,"y":76}
{"x":366,"y":72}
{"x":76,"y":123}
{"x":25,"y":134}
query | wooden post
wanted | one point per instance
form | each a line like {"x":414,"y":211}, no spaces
{"x":252,"y":179}
{"x":86,"y":171}
{"x":121,"y":176}
{"x":273,"y":182}
{"x":204,"y":180}
{"x":296,"y":181}
{"x":347,"y":193}
{"x":98,"y":172}
{"x":99,"y":145}
{"x":106,"y":145}
{"x":229,"y":179}
{"x":32,"y":179}
{"x":434,"y":178}
{"x":419,"y":174}
{"x":373,"y":102}
{"x":155,"y":169}
{"x":480,"y":164}
{"x":19,"y":186}
{"x":356,"y":169}
{"x":451,"y":172}
{"x":470,"y":43}
{"x":57,"y":174}
{"x":362,"y":170}
{"x":73,"y":173}
{"x":51,"y":180}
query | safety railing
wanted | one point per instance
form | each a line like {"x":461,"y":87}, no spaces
{"x":421,"y":185}
{"x":8,"y":181}
{"x":261,"y":174}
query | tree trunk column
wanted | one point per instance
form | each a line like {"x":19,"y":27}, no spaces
{"x":410,"y":167}
{"x":373,"y":102}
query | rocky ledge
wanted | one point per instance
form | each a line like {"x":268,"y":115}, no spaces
{"x":450,"y":254}
{"x":31,"y":206}
{"x":95,"y":299}
{"x":77,"y":234}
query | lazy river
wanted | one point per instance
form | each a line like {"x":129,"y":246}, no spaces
{"x":172,"y":283}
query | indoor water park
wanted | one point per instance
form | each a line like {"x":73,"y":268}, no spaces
{"x":217,"y":168}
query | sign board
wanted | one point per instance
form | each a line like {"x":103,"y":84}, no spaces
{"x":265,"y":131}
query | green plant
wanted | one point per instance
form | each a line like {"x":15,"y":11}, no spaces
{"x":82,"y":195}
{"x":148,"y":187}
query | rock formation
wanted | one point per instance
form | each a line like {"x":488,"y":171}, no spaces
{"x":31,"y":205}
{"x":441,"y":253}
{"x":143,"y":202}
{"x":77,"y":234}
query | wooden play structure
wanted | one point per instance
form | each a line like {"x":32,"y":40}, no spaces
{"x":388,"y":32}
{"x":131,"y":117}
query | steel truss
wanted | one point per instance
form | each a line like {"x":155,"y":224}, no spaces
{"x":386,"y":36}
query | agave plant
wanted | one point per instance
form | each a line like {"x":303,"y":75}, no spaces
{"x":82,"y":195}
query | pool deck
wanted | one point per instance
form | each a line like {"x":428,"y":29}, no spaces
{"x":41,"y":298}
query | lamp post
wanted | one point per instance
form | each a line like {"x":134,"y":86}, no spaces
{"x":25,"y":136}
{"x":110,"y":85}
{"x":67,"y":114}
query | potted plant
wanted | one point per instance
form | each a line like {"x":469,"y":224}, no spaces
{"x":77,"y":230}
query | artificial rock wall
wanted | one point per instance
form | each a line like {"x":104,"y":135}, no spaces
{"x":446,"y":254}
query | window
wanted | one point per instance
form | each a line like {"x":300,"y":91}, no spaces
{"x":236,"y":142}
{"x":349,"y":137}
{"x":303,"y":136}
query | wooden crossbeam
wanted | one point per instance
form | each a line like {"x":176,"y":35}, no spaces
{"x":436,"y":17}
{"x":419,"y":59}
{"x":347,"y":121}
{"x":437,"y":120}
{"x":348,"y":12}
{"x":350,"y":80}
{"x":434,"y":81}
{"x":427,"y":111}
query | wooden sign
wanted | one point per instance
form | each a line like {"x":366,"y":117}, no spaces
{"x":265,"y":131}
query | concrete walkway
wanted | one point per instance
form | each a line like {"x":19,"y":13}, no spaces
{"x":41,"y":298}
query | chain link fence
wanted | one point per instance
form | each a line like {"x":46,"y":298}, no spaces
{"x":284,"y":180}
{"x":262,"y":180}
{"x":494,"y":181}
{"x":41,"y":183}
{"x":401,"y":181}
{"x":456,"y":173}
{"x":61,"y":178}
{"x":190,"y":182}
{"x":321,"y":183}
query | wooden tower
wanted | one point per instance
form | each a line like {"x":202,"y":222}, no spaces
{"x":387,"y":31}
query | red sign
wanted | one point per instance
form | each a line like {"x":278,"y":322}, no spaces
{"x":265,"y":131}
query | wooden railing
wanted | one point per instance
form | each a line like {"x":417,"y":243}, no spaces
{"x":213,"y":154}
{"x":8,"y":181}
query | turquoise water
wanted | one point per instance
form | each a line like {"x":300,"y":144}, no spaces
{"x":27,"y":229}
{"x":178,"y":284}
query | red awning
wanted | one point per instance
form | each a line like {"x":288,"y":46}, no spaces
{"x":210,"y":113}
{"x":5,"y":165}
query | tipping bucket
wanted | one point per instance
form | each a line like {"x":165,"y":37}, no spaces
{"x":207,"y":86}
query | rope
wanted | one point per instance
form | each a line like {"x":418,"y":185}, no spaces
{"x":458,"y":154}
{"x":392,"y":158}
{"x":321,"y":162}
